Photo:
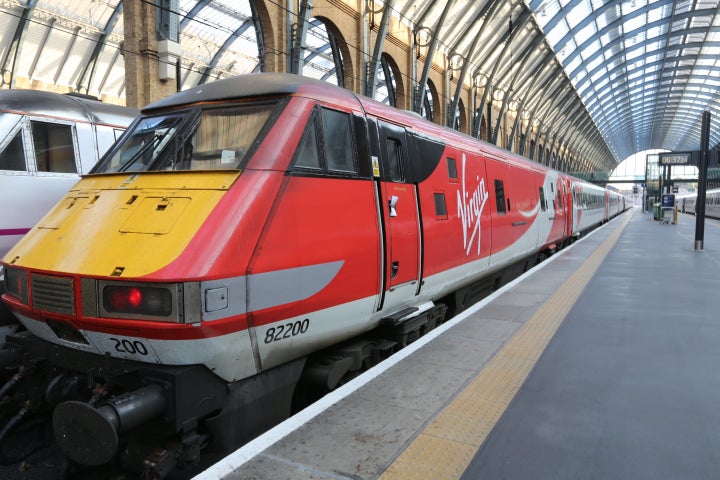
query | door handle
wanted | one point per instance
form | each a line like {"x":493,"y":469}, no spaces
{"x":392,"y":202}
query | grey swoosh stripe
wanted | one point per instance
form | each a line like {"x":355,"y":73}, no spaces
{"x":264,"y":290}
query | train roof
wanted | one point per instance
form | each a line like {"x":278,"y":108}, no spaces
{"x":68,"y":106}
{"x":250,"y":85}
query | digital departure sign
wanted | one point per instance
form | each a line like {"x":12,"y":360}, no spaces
{"x":675,"y":158}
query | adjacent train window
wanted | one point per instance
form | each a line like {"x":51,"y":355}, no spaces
{"x":543,"y":202}
{"x":394,"y":157}
{"x":452,"y":168}
{"x":440,"y":205}
{"x":54,"y":151}
{"x":500,"y":197}
{"x":12,"y":156}
{"x":338,"y":141}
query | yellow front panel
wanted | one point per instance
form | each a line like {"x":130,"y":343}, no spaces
{"x":138,"y":223}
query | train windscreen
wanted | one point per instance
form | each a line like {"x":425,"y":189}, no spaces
{"x":207,"y":139}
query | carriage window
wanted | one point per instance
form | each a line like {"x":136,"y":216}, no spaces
{"x":54,"y":150}
{"x":394,"y":156}
{"x":13,"y":155}
{"x":452,"y":168}
{"x":500,"y":197}
{"x":307,"y":156}
{"x":440,"y":205}
{"x":338,"y":141}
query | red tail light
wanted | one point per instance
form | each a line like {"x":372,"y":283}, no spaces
{"x":136,"y":300}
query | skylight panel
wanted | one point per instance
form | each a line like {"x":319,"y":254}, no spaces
{"x":658,"y":13}
{"x":601,"y":21}
{"x":596,"y":62}
{"x":573,"y":64}
{"x":655,"y":32}
{"x":547,"y":12}
{"x":242,"y":8}
{"x":579,"y":13}
{"x":582,"y":35}
{"x":595,"y":77}
{"x":606,"y":38}
{"x":713,"y":36}
{"x":557,"y":33}
{"x":635,"y":23}
{"x":633,"y":75}
{"x":633,"y":53}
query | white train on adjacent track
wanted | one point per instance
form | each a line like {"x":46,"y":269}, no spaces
{"x":47,"y":140}
{"x":688,"y":203}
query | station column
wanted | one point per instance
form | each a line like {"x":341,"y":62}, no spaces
{"x":151,"y":51}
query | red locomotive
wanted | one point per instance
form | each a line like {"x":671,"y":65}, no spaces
{"x":255,"y":238}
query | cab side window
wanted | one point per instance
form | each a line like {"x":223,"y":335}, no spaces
{"x":327,"y":147}
{"x":337,"y":138}
{"x":307,"y":156}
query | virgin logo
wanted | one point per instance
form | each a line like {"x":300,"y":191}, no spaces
{"x":470,"y":206}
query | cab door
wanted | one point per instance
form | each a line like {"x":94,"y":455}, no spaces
{"x":398,"y":200}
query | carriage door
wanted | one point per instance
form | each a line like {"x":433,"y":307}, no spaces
{"x":398,"y":202}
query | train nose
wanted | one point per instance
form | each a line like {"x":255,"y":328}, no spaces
{"x":90,"y":435}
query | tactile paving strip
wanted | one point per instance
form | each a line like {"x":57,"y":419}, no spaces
{"x":445,"y":448}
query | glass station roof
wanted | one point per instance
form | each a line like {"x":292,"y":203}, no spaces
{"x":605,"y":78}
{"x":645,"y":70}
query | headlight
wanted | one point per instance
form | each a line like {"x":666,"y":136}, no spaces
{"x":16,"y":284}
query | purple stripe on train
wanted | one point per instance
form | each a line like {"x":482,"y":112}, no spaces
{"x":4,"y":232}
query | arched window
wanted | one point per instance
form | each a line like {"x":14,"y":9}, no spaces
{"x":389,"y":86}
{"x":322,"y":60}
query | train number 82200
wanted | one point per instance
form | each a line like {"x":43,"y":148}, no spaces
{"x":288,"y":330}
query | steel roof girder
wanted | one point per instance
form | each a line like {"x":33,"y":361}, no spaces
{"x":525,"y":55}
{"x":86,"y":76}
{"x":218,"y":55}
{"x":522,"y":19}
{"x":372,"y":67}
{"x":534,"y":80}
{"x":434,"y":40}
{"x":11,"y":55}
{"x":300,"y":32}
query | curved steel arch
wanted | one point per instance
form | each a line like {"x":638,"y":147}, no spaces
{"x":229,"y":41}
{"x":85,"y":78}
{"x":11,"y":55}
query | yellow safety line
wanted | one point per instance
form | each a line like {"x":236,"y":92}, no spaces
{"x":445,"y":448}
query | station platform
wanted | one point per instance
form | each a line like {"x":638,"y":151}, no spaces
{"x":601,"y":363}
